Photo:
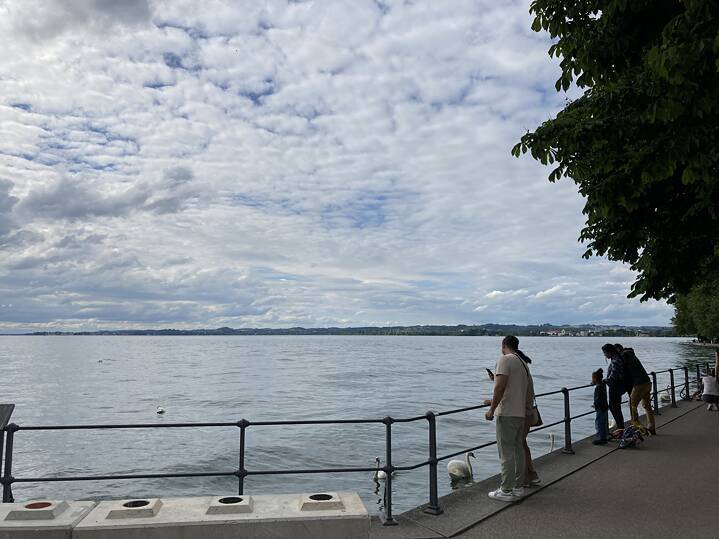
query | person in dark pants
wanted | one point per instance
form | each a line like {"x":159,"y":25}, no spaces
{"x":641,"y":387}
{"x":615,"y":381}
{"x":601,"y":407}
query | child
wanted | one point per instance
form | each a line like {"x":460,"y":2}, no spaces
{"x":600,"y":406}
{"x":710,"y":393}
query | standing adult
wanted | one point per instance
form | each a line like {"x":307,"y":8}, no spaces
{"x":641,"y":387}
{"x":531,"y":477}
{"x":616,"y":383}
{"x":509,"y":405}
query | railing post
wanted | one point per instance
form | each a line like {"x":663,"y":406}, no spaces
{"x":388,"y":520}
{"x":674,"y":394}
{"x":655,"y":395}
{"x":241,"y":471}
{"x":7,"y":478}
{"x":567,"y":424}
{"x":433,"y":507}
{"x":687,"y":395}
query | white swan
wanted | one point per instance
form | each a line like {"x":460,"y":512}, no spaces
{"x":160,"y":410}
{"x":461,"y":470}
{"x":665,"y":396}
{"x":380,"y":475}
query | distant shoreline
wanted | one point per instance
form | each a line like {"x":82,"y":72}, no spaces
{"x":485,"y":330}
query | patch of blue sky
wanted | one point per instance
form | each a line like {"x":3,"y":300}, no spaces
{"x":256,"y":95}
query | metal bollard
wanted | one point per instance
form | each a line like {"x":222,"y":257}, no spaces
{"x":241,"y":471}
{"x":655,"y":396}
{"x":433,"y":508}
{"x":687,"y":395}
{"x":7,"y":478}
{"x":674,"y":394}
{"x":388,"y":520}
{"x":567,"y":424}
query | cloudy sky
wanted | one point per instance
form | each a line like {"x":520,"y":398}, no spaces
{"x":280,"y":163}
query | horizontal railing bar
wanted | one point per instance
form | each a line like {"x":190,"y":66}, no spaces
{"x":313,"y":422}
{"x":548,"y":393}
{"x":481,"y":446}
{"x":414,"y":467}
{"x":458,"y":410}
{"x":582,"y":415}
{"x":126,"y":426}
{"x":119,"y":476}
{"x":410,"y":419}
{"x":547,"y":426}
{"x":311,"y":471}
{"x":580,"y":387}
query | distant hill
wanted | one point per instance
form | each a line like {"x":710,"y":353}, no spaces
{"x":586,"y":330}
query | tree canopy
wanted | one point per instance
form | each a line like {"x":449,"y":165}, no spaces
{"x":642,"y":142}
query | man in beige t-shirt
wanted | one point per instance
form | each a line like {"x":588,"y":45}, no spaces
{"x":509,"y":405}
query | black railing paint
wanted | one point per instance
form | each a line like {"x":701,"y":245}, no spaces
{"x":8,"y":431}
{"x":655,"y":396}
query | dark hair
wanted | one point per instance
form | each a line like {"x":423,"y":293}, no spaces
{"x":511,"y":342}
{"x":524,"y":356}
{"x":610,"y":349}
{"x":599,"y":373}
{"x":618,"y":346}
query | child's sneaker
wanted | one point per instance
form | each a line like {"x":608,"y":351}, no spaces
{"x":518,"y":492}
{"x":502,"y":496}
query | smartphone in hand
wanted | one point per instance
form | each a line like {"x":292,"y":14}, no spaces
{"x":490,"y":374}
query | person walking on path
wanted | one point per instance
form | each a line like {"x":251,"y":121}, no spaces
{"x":641,"y":387}
{"x":509,"y":405}
{"x":601,"y":407}
{"x":616,"y":383}
{"x":710,"y":390}
{"x":531,"y":477}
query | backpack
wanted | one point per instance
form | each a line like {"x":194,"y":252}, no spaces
{"x":631,"y":437}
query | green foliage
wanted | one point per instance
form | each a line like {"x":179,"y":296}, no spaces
{"x":697,"y":313}
{"x":642,"y":142}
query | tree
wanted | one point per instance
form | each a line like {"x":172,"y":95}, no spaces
{"x":697,"y":313}
{"x":642,"y":142}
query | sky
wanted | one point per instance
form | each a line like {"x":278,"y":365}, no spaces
{"x":284,"y":163}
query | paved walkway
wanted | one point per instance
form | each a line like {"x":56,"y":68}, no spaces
{"x":665,"y":488}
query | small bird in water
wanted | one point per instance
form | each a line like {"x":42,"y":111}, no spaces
{"x":160,"y":410}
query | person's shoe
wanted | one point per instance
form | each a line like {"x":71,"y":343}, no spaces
{"x":518,"y":492}
{"x":599,"y":442}
{"x":502,"y":496}
{"x":535,"y":482}
{"x":709,"y":407}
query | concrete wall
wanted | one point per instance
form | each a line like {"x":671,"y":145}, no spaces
{"x":296,"y":516}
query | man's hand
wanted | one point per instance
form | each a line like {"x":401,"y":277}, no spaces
{"x":489,"y":415}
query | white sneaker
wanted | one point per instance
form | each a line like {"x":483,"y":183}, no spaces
{"x":518,"y":492}
{"x":502,"y":496}
{"x":716,"y":408}
{"x":709,"y":407}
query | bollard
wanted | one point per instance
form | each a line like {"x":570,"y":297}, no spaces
{"x":674,"y":394}
{"x":433,"y":508}
{"x":655,"y":397}
{"x":7,"y":478}
{"x":567,"y":424}
{"x":687,"y":395}
{"x":241,"y":472}
{"x":388,"y":520}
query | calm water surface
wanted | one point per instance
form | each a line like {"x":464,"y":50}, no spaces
{"x":83,"y":380}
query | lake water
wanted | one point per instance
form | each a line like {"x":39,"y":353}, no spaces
{"x":83,"y":380}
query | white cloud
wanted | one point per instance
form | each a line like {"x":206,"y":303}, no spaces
{"x":272,"y":163}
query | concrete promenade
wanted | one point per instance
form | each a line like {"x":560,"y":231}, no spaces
{"x":665,"y":488}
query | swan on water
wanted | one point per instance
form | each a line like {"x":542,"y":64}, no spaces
{"x":461,"y":470}
{"x":665,"y":396}
{"x":380,"y":475}
{"x":160,"y":410}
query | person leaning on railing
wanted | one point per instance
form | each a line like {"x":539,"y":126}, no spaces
{"x":641,"y":389}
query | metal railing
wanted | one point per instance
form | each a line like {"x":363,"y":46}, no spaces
{"x":9,"y":430}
